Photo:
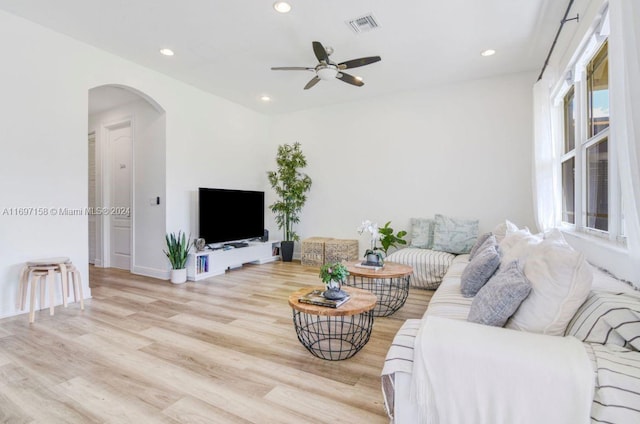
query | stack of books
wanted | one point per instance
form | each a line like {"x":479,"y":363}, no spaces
{"x":315,"y":297}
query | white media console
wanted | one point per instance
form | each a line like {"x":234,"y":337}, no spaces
{"x":208,"y":263}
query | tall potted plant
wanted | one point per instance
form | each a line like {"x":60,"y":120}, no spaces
{"x":290,"y":186}
{"x":178,"y":246}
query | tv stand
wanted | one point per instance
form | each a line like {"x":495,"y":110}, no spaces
{"x":238,"y":244}
{"x":208,"y":263}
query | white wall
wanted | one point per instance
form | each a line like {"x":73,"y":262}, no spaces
{"x":45,"y":79}
{"x":463,"y":150}
{"x":149,"y":147}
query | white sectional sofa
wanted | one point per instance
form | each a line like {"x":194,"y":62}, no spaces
{"x":444,"y":369}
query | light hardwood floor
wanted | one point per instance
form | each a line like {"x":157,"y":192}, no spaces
{"x":221,"y":350}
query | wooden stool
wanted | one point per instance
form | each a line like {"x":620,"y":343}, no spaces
{"x":45,"y":270}
{"x":44,"y":276}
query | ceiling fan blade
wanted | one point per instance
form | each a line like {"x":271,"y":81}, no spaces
{"x":291,"y":68}
{"x":355,"y":63}
{"x":320,"y":52}
{"x":311,"y":83}
{"x":349,"y":79}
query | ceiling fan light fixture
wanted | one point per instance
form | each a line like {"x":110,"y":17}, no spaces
{"x":282,"y":7}
{"x":327,"y":73}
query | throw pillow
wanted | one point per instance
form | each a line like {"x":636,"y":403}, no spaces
{"x":454,"y":235}
{"x":480,"y":243}
{"x":500,"y":298}
{"x":503,"y":229}
{"x":608,"y":318}
{"x":422,"y":233}
{"x":517,"y":245}
{"x":561,"y":280}
{"x":479,"y":270}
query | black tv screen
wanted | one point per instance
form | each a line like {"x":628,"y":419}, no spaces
{"x":230,"y":215}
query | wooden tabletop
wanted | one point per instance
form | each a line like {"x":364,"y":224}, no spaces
{"x":361,"y":301}
{"x":390,"y":270}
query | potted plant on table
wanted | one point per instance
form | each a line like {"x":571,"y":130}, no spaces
{"x":375,"y":255}
{"x":333,"y":275}
{"x":178,"y":246}
{"x":290,"y":186}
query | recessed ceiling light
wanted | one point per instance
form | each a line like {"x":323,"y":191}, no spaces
{"x":282,"y":6}
{"x":488,"y":52}
{"x":265,"y":98}
{"x":166,"y":52}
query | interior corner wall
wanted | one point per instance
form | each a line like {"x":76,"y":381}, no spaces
{"x":149,"y":164}
{"x":46,"y":79}
{"x":462,"y":150}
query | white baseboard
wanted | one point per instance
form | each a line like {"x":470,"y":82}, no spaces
{"x":162,"y":274}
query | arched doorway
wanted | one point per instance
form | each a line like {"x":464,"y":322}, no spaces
{"x":127,"y":174}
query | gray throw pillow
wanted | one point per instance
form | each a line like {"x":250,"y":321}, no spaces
{"x":479,"y":270}
{"x":484,"y":239}
{"x":454,"y":235}
{"x":500,"y":298}
{"x":422,"y":233}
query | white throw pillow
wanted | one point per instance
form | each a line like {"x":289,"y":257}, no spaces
{"x":517,"y":245}
{"x":561,"y":280}
{"x":503,"y":228}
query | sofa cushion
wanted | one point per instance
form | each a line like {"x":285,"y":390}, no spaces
{"x":501,"y":230}
{"x":429,"y":266}
{"x":479,"y":270}
{"x":500,"y":297}
{"x":517,"y":245}
{"x":561,"y":280}
{"x":480,"y":242}
{"x":608,"y":318}
{"x":454,"y":235}
{"x":422,"y":233}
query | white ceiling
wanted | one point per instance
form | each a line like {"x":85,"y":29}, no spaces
{"x":228,"y":47}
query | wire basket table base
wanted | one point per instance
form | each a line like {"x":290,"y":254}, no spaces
{"x":392,"y":293}
{"x":333,"y":338}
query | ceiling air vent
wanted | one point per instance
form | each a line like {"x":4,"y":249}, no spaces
{"x":363,"y":23}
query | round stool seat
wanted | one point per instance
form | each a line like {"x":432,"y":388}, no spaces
{"x":49,"y":261}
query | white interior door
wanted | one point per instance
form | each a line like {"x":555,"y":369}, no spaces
{"x":93,"y":229}
{"x":120,"y":149}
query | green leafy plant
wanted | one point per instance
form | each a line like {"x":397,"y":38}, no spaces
{"x":178,"y":246}
{"x":388,"y":239}
{"x":333,"y":271}
{"x":384,"y":234}
{"x":290,"y":186}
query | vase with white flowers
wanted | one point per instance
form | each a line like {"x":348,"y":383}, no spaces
{"x":375,"y":255}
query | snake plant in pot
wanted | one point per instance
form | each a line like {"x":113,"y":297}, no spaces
{"x":290,"y":186}
{"x":178,"y":246}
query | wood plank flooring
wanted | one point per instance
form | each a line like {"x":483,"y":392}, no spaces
{"x":222,"y":350}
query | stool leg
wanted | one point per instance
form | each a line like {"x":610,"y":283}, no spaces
{"x":78,"y":280}
{"x":51,"y":281}
{"x":43,"y":287}
{"x":64,"y":280}
{"x":32,"y":309}
{"x":22,"y":288}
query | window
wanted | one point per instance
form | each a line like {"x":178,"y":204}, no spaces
{"x":584,"y":160}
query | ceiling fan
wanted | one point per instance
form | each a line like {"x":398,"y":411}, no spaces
{"x":328,"y":70}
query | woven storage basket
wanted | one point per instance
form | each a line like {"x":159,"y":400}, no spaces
{"x":337,"y":250}
{"x":313,"y":251}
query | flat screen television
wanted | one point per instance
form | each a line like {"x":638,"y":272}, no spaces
{"x":230,"y":215}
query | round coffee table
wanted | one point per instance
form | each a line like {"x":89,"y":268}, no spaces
{"x":389,"y":283}
{"x":338,"y":333}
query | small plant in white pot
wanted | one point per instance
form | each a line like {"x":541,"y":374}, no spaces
{"x":178,"y":246}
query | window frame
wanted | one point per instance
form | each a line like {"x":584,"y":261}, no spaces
{"x":576,"y":79}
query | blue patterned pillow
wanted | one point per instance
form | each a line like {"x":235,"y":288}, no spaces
{"x":422,"y":233}
{"x":484,"y":239}
{"x":454,"y":235}
{"x":500,"y":297}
